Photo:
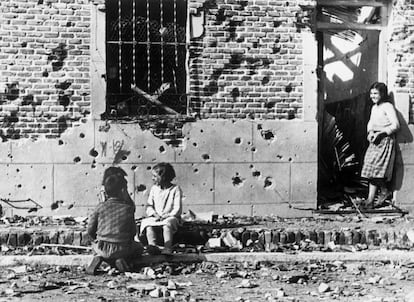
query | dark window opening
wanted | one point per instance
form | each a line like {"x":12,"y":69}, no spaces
{"x":146,"y":57}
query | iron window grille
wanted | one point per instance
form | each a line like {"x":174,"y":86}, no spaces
{"x":146,"y":53}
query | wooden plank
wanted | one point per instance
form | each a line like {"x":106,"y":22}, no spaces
{"x":153,"y":99}
{"x":351,"y":3}
{"x":345,"y":26}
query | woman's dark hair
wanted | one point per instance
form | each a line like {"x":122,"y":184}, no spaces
{"x":113,"y":171}
{"x":166,"y":171}
{"x":382,"y":89}
{"x":113,"y":185}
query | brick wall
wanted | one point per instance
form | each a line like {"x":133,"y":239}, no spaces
{"x":249,"y":62}
{"x":44,"y":73}
{"x":401,"y":48}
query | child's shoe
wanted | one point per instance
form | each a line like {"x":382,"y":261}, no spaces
{"x":93,"y":266}
{"x":121,"y":265}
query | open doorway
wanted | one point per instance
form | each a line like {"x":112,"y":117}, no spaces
{"x":351,"y":50}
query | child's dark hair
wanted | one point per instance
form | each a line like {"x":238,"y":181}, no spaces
{"x":166,"y":171}
{"x":113,"y":171}
{"x":382,"y":89}
{"x":114,"y":184}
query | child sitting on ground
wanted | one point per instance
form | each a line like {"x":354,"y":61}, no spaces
{"x":163,"y":207}
{"x":112,"y":226}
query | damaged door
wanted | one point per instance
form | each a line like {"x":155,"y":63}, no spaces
{"x":350,"y":38}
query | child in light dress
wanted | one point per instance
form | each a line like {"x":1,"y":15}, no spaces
{"x":379,"y":158}
{"x":164,"y":207}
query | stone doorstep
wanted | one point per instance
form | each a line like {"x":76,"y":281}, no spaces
{"x":241,"y":257}
{"x":267,"y":239}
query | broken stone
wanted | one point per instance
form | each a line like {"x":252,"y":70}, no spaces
{"x":374,"y":280}
{"x":141,"y":287}
{"x":111,"y":284}
{"x":280,"y":293}
{"x":213,"y":243}
{"x":171,"y":285}
{"x":221,"y":274}
{"x":323,"y":288}
{"x":246,"y":284}
{"x":137,"y":276}
{"x":156,"y":293}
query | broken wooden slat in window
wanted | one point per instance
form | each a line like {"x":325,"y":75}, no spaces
{"x":351,"y":26}
{"x":154,"y":99}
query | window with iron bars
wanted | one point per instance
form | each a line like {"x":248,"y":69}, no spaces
{"x":146,"y":57}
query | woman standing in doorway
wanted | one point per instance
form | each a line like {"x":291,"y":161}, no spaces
{"x":380,"y":155}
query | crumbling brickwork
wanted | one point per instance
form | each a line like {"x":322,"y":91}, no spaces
{"x":402,"y":48}
{"x":45,"y":73}
{"x":248,"y":63}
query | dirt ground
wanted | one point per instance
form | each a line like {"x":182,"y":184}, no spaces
{"x":261,"y":281}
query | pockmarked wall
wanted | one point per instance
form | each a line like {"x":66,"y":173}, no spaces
{"x":248,"y":145}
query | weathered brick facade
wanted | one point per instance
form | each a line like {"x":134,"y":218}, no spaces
{"x":249,"y":143}
{"x":248,"y":64}
{"x":45,"y":66}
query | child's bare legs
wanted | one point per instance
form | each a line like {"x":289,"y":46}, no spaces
{"x":151,"y":236}
{"x":372,"y":190}
{"x":168,"y":236}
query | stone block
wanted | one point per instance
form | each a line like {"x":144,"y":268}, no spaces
{"x":65,"y":149}
{"x":23,"y":181}
{"x":196,"y":182}
{"x":281,"y":141}
{"x":77,"y":238}
{"x":85,"y":240}
{"x":5,"y":152}
{"x":23,"y":238}
{"x":303,"y":183}
{"x":87,"y":181}
{"x":37,"y":239}
{"x":216,"y":141}
{"x":54,"y":237}
{"x":12,"y":239}
{"x":128,"y":143}
{"x":251,"y":184}
{"x":4,"y":236}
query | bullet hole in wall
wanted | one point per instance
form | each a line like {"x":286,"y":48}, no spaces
{"x":237,"y":140}
{"x":277,"y":23}
{"x":288,"y":88}
{"x":265,"y":80}
{"x":133,"y":168}
{"x":148,"y":168}
{"x":268,"y":182}
{"x":56,"y":204}
{"x":60,"y":142}
{"x":77,"y":159}
{"x":195,"y":145}
{"x":253,"y":149}
{"x":44,"y":187}
{"x":82,"y":135}
{"x":205,"y":157}
{"x":237,"y":181}
{"x":290,"y":159}
{"x":267,"y":134}
{"x":17,"y":170}
{"x":141,"y":188}
{"x":162,"y":149}
{"x":278,"y":156}
{"x":93,"y":152}
{"x":256,"y":173}
{"x":19,"y":186}
{"x":228,"y":201}
{"x":45,"y":73}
